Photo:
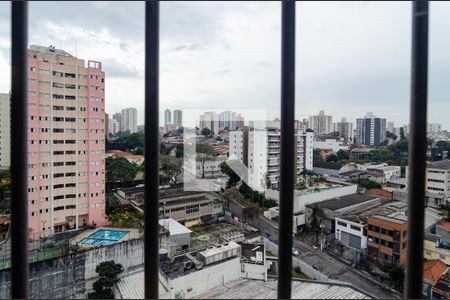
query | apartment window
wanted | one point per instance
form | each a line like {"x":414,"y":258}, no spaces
{"x":67,"y":97}
{"x":57,"y":107}
{"x":58,"y":208}
{"x":70,"y":86}
{"x":58,"y":164}
{"x":58,"y":175}
{"x":70,"y":108}
{"x":58,"y":130}
{"x":355,"y":227}
{"x":56,"y":96}
{"x":58,"y":152}
{"x":58,"y":85}
{"x":58,"y":74}
{"x":43,"y":72}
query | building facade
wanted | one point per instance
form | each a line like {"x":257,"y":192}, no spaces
{"x":386,"y":238}
{"x":370,"y":130}
{"x":345,"y":130}
{"x":210,"y":120}
{"x":167,"y":117}
{"x":178,"y":118}
{"x":263,"y":151}
{"x":5,"y":130}
{"x":321,"y":124}
{"x":66,"y":146}
{"x":128,"y":120}
{"x":438,"y":177}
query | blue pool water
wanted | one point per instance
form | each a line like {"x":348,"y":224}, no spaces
{"x":104,"y":237}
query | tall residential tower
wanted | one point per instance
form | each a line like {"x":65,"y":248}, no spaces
{"x":66,"y":141}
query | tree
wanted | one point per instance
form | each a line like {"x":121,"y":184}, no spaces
{"x":120,"y":169}
{"x":317,"y":214}
{"x":206,"y":132}
{"x":444,"y":145}
{"x":382,"y":155}
{"x":332,"y":158}
{"x":384,"y":143}
{"x":139,"y":151}
{"x":300,"y":186}
{"x":108,"y":272}
{"x":391,"y":135}
{"x":179,"y":152}
{"x":171,"y":166}
{"x":317,"y":155}
{"x":367,"y":183}
{"x":226,"y":169}
{"x":445,"y":210}
{"x":342,"y":155}
{"x":133,"y":140}
{"x":204,"y":153}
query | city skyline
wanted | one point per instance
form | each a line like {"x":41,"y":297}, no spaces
{"x":353,"y":76}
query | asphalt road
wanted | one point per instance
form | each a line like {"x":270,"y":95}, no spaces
{"x":328,"y":265}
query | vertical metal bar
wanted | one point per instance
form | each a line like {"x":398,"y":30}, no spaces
{"x":287,"y":148}
{"x":417,"y":150}
{"x":151,"y":199}
{"x":19,"y":121}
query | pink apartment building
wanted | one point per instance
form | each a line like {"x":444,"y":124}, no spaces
{"x":66,"y":141}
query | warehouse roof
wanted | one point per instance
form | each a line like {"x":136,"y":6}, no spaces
{"x":345,"y":201}
{"x":255,"y":289}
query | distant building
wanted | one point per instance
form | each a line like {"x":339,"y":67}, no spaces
{"x":383,"y":174}
{"x":434,"y":128}
{"x":210,"y":120}
{"x":128,"y":120}
{"x":390,"y":127}
{"x":113,"y":126}
{"x":167,"y":117}
{"x":321,"y":124}
{"x":263,"y":152}
{"x":345,"y":130}
{"x":177,"y":118}
{"x":117,"y":117}
{"x":370,"y":130}
{"x":140,"y":128}
{"x":438,"y":177}
{"x":5,"y":130}
{"x":329,"y":142}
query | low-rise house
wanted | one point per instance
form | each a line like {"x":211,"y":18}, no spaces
{"x":132,"y":158}
{"x":382,"y":174}
{"x":433,"y":271}
{"x":340,"y":206}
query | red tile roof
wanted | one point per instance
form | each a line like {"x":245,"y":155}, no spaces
{"x":444,"y":224}
{"x":433,"y":269}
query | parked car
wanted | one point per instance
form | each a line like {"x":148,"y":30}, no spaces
{"x":295,"y":252}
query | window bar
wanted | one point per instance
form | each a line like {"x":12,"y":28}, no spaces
{"x":417,"y":150}
{"x":19,"y":182}
{"x":287,"y":147}
{"x":151,"y":199}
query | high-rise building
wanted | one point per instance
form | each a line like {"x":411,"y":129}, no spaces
{"x":240,"y":121}
{"x":117,"y":117}
{"x":228,"y":119}
{"x":390,"y":126}
{"x":345,"y":130}
{"x":128,"y":120}
{"x":113,"y":126}
{"x":178,"y":118}
{"x":321,"y":124}
{"x":434,"y":128}
{"x":167,"y":117}
{"x":263,"y":151}
{"x":210,"y":120}
{"x":5,"y":130}
{"x":66,"y":141}
{"x":370,"y":130}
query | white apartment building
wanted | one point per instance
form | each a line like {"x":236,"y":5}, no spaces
{"x":263,"y":152}
{"x":438,"y":177}
{"x":128,"y":120}
{"x":167,"y":117}
{"x":177,"y":118}
{"x":236,"y":145}
{"x":434,"y":128}
{"x":345,"y":130}
{"x":210,"y":120}
{"x":383,"y":174}
{"x":328,"y":143}
{"x":321,"y":124}
{"x":113,"y":126}
{"x":5,"y":130}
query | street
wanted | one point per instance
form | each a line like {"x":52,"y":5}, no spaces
{"x":331,"y":267}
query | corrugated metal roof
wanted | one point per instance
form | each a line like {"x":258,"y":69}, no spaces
{"x":253,"y":289}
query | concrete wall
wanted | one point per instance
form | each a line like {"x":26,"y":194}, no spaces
{"x":191,"y":285}
{"x":71,"y":276}
{"x":254,"y":271}
{"x":443,"y":233}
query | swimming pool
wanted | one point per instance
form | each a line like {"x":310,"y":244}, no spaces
{"x":104,"y":237}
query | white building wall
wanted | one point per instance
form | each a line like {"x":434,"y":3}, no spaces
{"x":438,"y":181}
{"x":128,"y":120}
{"x":191,"y":285}
{"x":254,"y":271}
{"x":236,"y":145}
{"x":350,"y":230}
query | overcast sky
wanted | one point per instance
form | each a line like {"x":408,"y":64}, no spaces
{"x":352,"y":57}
